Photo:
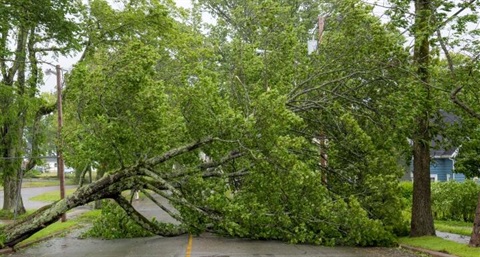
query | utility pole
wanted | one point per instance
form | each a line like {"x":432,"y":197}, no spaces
{"x":60,"y":165}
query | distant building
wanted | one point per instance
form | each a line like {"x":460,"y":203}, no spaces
{"x":442,"y":162}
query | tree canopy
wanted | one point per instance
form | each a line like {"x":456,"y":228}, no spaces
{"x":242,"y":128}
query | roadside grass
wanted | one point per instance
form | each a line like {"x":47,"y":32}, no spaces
{"x":7,"y":215}
{"x":455,"y":227}
{"x":45,"y":182}
{"x":51,"y":196}
{"x":61,"y":228}
{"x":441,"y":245}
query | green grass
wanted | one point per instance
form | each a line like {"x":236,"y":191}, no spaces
{"x":455,"y":227}
{"x":53,"y":229}
{"x":89,"y":216}
{"x":51,"y":196}
{"x":45,"y":182}
{"x":61,"y":228}
{"x":7,"y":215}
{"x":441,"y":245}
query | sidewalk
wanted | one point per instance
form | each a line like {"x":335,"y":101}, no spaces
{"x":453,"y":237}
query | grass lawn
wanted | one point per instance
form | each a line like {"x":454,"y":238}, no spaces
{"x":441,"y":245}
{"x":61,"y":228}
{"x":455,"y":227}
{"x":44,"y":182}
{"x":51,"y":196}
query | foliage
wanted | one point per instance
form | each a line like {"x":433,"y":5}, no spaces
{"x":407,"y":191}
{"x":468,"y":159}
{"x":115,"y":223}
{"x":454,"y":200}
{"x":135,"y":95}
{"x":30,"y":31}
{"x":32,"y":174}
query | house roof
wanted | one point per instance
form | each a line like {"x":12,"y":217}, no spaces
{"x":437,"y":149}
{"x":441,"y":153}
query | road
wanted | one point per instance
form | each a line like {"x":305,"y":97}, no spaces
{"x":205,"y":245}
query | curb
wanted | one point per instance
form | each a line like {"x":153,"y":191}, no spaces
{"x":426,"y":251}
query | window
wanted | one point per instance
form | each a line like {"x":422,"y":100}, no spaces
{"x":434,"y":177}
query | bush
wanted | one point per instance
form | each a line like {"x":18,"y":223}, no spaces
{"x":32,"y":174}
{"x":114,"y":223}
{"x":406,"y":188}
{"x":455,"y":201}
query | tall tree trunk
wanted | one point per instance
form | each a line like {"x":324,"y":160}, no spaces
{"x":12,"y":183}
{"x":13,"y":130}
{"x":422,"y":218}
{"x":475,"y":238}
{"x":12,"y":194}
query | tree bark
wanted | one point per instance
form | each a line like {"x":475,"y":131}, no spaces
{"x":422,"y":218}
{"x":12,"y":183}
{"x":109,"y":186}
{"x":475,"y":238}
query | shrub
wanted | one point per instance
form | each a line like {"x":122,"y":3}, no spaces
{"x":32,"y":174}
{"x":454,"y":200}
{"x":406,"y":188}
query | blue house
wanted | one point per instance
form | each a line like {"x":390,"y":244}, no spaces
{"x":442,"y":165}
{"x":442,"y":162}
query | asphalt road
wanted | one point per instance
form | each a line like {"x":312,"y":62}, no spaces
{"x":205,"y":245}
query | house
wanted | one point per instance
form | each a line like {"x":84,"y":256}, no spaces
{"x":50,"y":165}
{"x":442,"y":162}
{"x":442,"y":166}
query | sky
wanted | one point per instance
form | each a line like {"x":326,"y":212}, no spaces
{"x":67,"y":62}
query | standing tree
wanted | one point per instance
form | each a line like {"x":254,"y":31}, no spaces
{"x":465,"y":95}
{"x":422,"y":218}
{"x":427,"y":90}
{"x":30,"y":30}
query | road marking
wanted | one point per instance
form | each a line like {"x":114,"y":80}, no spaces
{"x":189,"y":246}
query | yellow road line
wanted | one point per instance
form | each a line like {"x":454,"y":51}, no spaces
{"x":189,"y":246}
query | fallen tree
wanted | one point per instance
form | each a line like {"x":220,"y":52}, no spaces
{"x":290,"y":205}
{"x":140,"y":176}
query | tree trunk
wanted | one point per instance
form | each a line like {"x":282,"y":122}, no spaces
{"x":109,"y":186}
{"x":475,"y":238}
{"x":100,"y":172}
{"x":12,"y":184}
{"x":422,"y":219}
{"x":12,"y":194}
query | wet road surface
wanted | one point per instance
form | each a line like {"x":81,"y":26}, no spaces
{"x":205,"y":245}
